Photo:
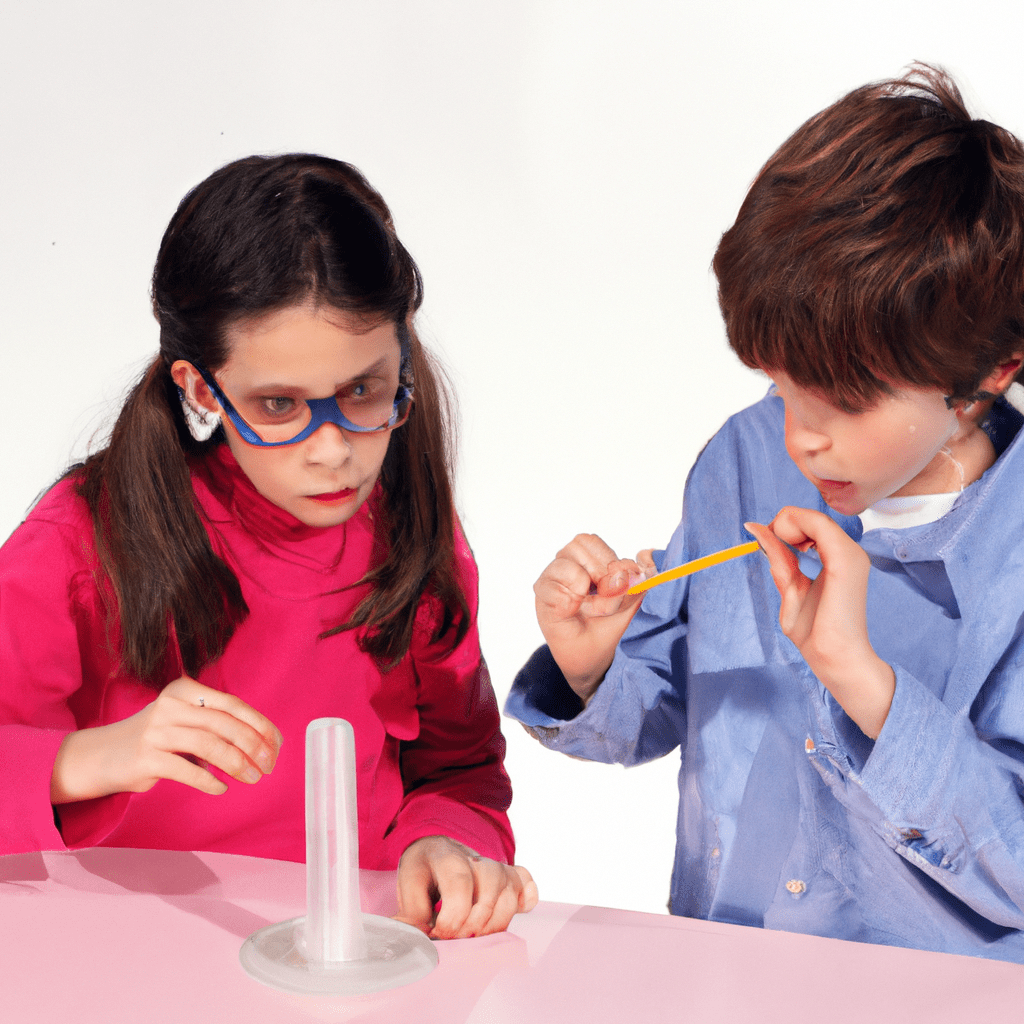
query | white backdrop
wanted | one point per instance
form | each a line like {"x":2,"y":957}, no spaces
{"x":560,"y":169}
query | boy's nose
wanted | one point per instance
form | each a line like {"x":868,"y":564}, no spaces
{"x":802,"y":437}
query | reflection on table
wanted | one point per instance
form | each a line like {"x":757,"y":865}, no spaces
{"x":152,"y":936}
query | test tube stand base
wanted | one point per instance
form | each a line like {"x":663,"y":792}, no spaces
{"x":397,"y":953}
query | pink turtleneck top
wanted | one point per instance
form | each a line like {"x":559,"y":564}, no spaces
{"x":428,"y":746}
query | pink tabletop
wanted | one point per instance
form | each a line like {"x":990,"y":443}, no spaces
{"x":152,"y":936}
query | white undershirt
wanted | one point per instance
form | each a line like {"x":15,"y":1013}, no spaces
{"x":912,"y":510}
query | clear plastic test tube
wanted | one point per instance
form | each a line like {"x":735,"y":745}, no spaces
{"x":335,"y":949}
{"x":334,"y":921}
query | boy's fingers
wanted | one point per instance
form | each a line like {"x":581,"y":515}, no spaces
{"x":589,"y":551}
{"x":619,"y":576}
{"x":781,"y":560}
{"x":564,"y":580}
{"x":645,"y":559}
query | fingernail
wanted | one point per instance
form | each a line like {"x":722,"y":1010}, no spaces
{"x":265,"y":761}
{"x":251,"y":775}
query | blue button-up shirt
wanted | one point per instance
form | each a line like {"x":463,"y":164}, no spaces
{"x":789,"y":816}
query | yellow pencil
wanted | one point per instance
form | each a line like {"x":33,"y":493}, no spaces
{"x":695,"y":566}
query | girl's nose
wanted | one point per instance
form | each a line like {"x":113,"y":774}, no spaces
{"x":328,"y":446}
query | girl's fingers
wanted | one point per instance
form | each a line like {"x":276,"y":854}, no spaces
{"x":502,"y":910}
{"x":416,"y":894}
{"x":236,"y":734}
{"x":528,"y":894}
{"x":502,"y":891}
{"x":227,"y":717}
{"x":180,"y":769}
{"x":516,"y":893}
{"x":482,"y":903}
{"x":477,"y":895}
{"x":212,"y":748}
{"x":455,"y":879}
{"x":489,"y":879}
{"x":192,"y":692}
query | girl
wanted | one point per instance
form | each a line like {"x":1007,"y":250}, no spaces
{"x":268,"y":538}
{"x":849,"y":707}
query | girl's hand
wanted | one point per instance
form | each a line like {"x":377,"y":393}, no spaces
{"x":164,"y":741}
{"x":583,"y":608}
{"x":478,"y":895}
{"x":827,"y":618}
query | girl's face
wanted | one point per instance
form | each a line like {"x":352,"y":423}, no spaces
{"x":304,"y":352}
{"x":856,"y":459}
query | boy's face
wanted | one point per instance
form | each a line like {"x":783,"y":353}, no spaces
{"x":856,"y":459}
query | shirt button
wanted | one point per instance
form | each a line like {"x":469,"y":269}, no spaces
{"x":796,"y":886}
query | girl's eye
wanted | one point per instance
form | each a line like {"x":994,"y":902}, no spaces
{"x":361,"y":391}
{"x":278,"y":406}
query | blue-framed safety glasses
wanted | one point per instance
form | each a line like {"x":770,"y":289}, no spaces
{"x":363,"y":408}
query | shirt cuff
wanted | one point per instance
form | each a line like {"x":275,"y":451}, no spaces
{"x":27,"y":822}
{"x":904,"y":772}
{"x":540,"y":696}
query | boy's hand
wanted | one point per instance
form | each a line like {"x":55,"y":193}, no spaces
{"x":165,"y":740}
{"x":478,"y":895}
{"x":827,"y":618}
{"x":583,"y":608}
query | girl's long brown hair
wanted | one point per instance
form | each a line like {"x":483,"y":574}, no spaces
{"x":258,"y":235}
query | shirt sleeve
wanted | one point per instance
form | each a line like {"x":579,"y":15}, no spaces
{"x":637,"y":713}
{"x":944,"y":788}
{"x":42,"y":569}
{"x":453,"y":771}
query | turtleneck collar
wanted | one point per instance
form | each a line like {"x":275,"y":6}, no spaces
{"x":236,"y":500}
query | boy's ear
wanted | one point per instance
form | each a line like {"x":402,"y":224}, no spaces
{"x":1003,"y":375}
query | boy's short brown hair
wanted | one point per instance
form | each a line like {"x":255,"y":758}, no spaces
{"x":881,"y":246}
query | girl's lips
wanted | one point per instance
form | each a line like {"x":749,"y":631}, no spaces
{"x":342,"y":495}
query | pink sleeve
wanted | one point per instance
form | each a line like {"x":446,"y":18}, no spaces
{"x":41,"y":566}
{"x":453,"y":772}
